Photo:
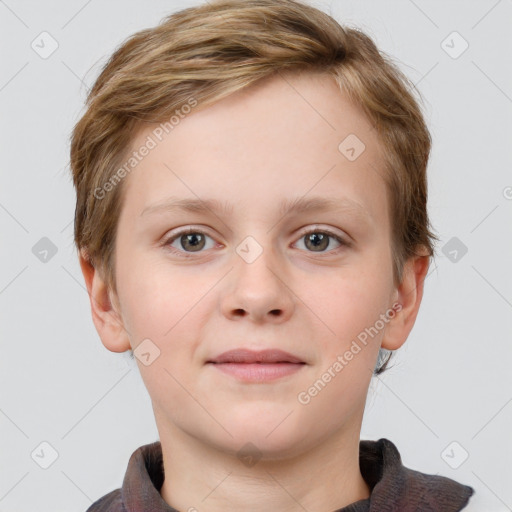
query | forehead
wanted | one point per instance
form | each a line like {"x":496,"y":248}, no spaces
{"x":286,"y":135}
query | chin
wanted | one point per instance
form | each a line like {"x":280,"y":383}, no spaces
{"x":271,"y":436}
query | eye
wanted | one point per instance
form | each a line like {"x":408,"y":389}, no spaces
{"x":189,"y":240}
{"x":193,"y":240}
{"x":318,"y":240}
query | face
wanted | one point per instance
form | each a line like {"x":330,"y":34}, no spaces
{"x":242,"y":268}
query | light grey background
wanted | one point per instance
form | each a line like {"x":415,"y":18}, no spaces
{"x":450,"y":383}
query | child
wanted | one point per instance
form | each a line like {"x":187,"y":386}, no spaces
{"x":252,"y":222}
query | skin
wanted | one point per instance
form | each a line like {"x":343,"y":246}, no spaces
{"x":277,"y":140}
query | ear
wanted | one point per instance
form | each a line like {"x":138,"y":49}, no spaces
{"x":408,"y":297}
{"x":107,"y":320}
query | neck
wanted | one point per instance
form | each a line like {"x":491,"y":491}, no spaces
{"x":200,"y":477}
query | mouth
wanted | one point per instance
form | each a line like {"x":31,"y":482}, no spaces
{"x":251,"y":366}
{"x":244,"y":356}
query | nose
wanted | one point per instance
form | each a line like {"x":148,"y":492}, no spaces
{"x":258,"y":290}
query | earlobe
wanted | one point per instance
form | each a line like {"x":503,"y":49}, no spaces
{"x":106,"y":319}
{"x":408,"y":296}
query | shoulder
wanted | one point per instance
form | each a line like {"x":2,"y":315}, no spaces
{"x":111,"y":502}
{"x":396,"y":487}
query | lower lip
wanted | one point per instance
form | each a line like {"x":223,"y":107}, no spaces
{"x":258,"y":372}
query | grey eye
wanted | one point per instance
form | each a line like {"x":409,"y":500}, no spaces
{"x":319,"y":241}
{"x":192,"y":241}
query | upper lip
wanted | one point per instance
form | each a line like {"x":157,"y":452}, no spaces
{"x":242,"y":355}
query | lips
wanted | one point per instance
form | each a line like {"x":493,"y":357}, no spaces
{"x":242,"y":356}
{"x":257,"y":367}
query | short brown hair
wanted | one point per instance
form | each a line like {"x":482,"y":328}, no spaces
{"x":212,"y":50}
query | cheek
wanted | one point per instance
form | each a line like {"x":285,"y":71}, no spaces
{"x":349,"y":300}
{"x":167,"y":308}
{"x":349,"y":307}
{"x":155,"y":299}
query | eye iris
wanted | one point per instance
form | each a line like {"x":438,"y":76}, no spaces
{"x":196,"y":241}
{"x":320,"y":241}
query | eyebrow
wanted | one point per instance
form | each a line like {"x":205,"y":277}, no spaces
{"x":286,"y":207}
{"x":189,"y":205}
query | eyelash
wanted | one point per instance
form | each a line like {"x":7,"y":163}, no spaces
{"x":184,"y":254}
